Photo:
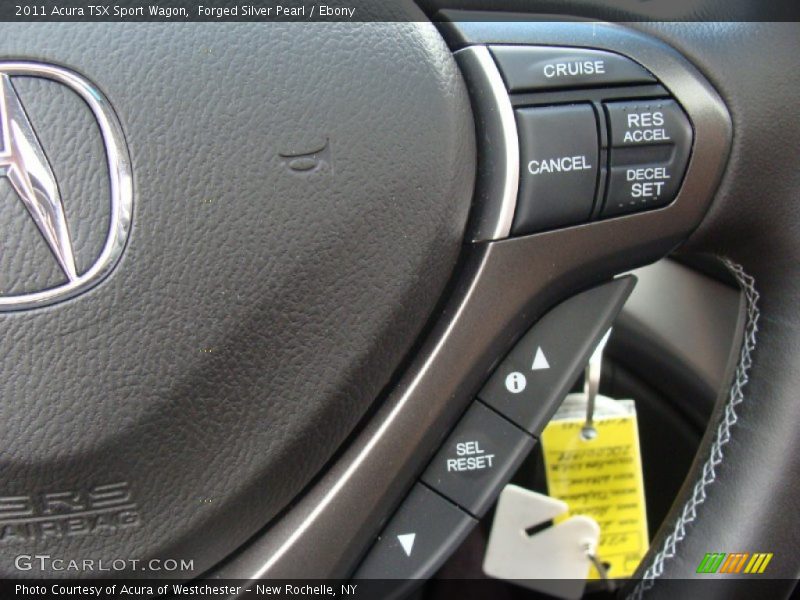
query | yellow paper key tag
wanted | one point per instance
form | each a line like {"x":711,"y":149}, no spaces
{"x":601,"y":477}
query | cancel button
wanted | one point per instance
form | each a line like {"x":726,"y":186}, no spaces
{"x":558,"y":166}
{"x":562,"y":164}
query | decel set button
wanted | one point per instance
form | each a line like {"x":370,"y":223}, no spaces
{"x":650,"y":143}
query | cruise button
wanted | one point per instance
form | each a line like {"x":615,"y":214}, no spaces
{"x":547,"y":67}
{"x":558,"y":170}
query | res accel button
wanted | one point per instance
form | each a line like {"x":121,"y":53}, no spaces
{"x":558,"y":166}
{"x":647,"y":122}
{"x":550,"y":67}
{"x":478,"y":458}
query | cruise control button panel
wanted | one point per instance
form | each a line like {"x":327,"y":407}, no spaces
{"x":582,"y":134}
{"x":548,"y":67}
{"x":478,"y":458}
{"x":558,"y":166}
{"x":650,"y":143}
{"x":533,"y":379}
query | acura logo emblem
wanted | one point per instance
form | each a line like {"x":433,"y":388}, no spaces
{"x":24,"y":163}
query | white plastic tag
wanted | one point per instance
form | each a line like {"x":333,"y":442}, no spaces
{"x":555,"y":560}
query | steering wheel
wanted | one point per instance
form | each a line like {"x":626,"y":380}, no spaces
{"x":252,"y":275}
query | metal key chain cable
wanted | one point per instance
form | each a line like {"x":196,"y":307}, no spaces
{"x":591,"y":386}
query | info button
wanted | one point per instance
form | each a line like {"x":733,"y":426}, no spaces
{"x":478,"y":459}
{"x":558,"y":166}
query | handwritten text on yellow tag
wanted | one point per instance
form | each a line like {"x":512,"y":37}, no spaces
{"x":601,"y":478}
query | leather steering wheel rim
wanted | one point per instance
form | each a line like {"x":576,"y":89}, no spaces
{"x":740,"y":494}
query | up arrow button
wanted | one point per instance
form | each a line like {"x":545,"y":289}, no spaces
{"x":554,"y":353}
{"x":540,"y":361}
